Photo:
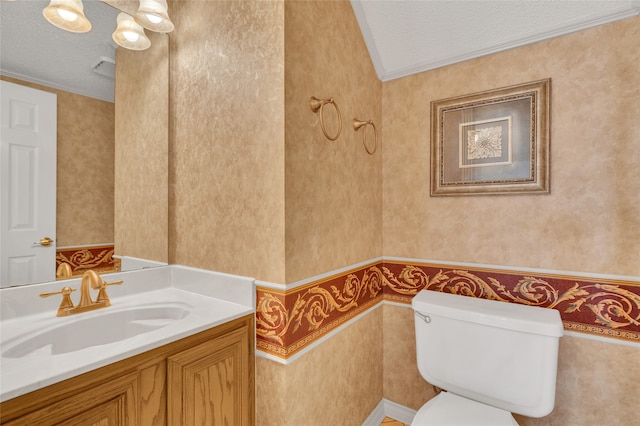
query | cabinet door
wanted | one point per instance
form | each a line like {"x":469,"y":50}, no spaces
{"x":209,"y":383}
{"x":109,"y":404}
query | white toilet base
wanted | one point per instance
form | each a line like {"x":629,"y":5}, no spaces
{"x":448,"y":409}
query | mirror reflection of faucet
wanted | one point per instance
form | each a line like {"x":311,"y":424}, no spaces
{"x":90,"y":280}
{"x":64,"y":271}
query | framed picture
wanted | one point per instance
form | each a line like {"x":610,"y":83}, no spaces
{"x":493,"y":142}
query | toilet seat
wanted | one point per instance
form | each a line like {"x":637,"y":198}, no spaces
{"x":448,"y":409}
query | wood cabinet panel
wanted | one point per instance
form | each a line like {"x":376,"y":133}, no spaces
{"x":153,"y":395}
{"x":110,"y":404}
{"x":209,"y":384}
{"x":110,"y":413}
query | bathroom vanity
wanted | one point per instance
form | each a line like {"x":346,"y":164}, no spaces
{"x":188,"y":357}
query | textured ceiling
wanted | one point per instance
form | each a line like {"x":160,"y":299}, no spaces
{"x":32,"y":49}
{"x":410,"y":36}
{"x":403,"y":36}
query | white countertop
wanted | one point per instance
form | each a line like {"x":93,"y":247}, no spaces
{"x":210,"y":298}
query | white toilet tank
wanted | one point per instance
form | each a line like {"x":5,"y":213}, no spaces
{"x":500,"y":354}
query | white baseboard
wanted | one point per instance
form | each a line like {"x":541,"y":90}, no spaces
{"x":376,"y":416}
{"x":387,"y":408}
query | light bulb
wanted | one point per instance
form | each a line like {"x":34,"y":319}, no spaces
{"x":130,"y":36}
{"x":67,"y":15}
{"x":153,"y":15}
{"x":153,"y":18}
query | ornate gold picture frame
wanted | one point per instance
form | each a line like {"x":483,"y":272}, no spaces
{"x":493,"y":142}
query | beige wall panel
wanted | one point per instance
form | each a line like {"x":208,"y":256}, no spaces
{"x":589,"y":222}
{"x":227,"y":153}
{"x":85,"y":168}
{"x":333,"y":188}
{"x":271,"y":385}
{"x":141,"y":176}
{"x":337,"y":383}
{"x":597,"y":385}
{"x":86,"y":156}
{"x":402,"y":380}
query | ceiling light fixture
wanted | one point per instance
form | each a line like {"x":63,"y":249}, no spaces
{"x":153,"y":15}
{"x":68,"y":15}
{"x":129,"y":34}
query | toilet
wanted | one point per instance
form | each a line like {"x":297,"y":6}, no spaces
{"x":492,"y":358}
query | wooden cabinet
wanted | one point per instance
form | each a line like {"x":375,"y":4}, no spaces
{"x":208,"y":384}
{"x":108,"y":404}
{"x":207,"y":378}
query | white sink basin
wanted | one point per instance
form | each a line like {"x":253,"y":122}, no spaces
{"x":154,"y":307}
{"x":98,"y":328}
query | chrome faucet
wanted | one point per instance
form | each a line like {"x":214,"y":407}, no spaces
{"x":90,"y":280}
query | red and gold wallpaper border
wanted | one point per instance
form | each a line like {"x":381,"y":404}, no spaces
{"x":80,"y":259}
{"x":287,"y":322}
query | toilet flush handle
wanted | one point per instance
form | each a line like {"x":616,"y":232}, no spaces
{"x":425,"y":318}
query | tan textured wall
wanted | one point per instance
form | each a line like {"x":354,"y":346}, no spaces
{"x":271,"y":394}
{"x":337,"y":383}
{"x":333,"y":214}
{"x":333,"y":189}
{"x":141,"y":176}
{"x":234,"y":78}
{"x":85,"y":168}
{"x":597,"y":384}
{"x":588,"y":223}
{"x":227,"y":153}
{"x":402,"y":380}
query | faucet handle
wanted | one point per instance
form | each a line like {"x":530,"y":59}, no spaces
{"x":103,"y":297}
{"x":66,"y":298}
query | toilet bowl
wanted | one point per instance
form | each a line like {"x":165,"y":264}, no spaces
{"x":448,"y":409}
{"x":492,"y":358}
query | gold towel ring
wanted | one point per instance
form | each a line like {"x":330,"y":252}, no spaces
{"x":318,"y":105}
{"x":357,"y":124}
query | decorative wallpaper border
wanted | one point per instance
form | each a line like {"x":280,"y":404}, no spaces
{"x":288,"y":321}
{"x":99,"y":258}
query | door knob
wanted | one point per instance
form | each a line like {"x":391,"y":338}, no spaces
{"x":46,"y":241}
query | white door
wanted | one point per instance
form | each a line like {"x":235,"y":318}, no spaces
{"x":27,"y":185}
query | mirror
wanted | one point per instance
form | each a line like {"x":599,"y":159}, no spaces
{"x":85,"y":204}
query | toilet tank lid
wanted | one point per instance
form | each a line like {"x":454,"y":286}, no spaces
{"x":512,"y":316}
